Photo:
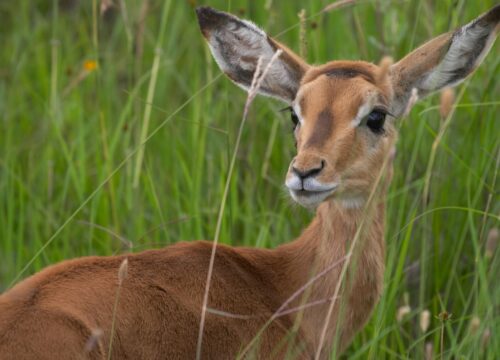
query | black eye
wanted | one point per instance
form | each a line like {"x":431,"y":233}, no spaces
{"x":376,"y":120}
{"x":294,"y":118}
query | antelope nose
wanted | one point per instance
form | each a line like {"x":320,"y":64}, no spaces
{"x":309,"y":172}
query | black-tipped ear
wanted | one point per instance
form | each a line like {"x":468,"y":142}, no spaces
{"x":446,"y":60}
{"x":209,"y":19}
{"x":237,"y":46}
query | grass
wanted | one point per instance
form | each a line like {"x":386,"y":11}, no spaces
{"x":138,"y":151}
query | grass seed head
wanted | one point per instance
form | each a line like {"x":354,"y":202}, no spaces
{"x":425,"y":320}
{"x":105,"y":6}
{"x":122,"y":271}
{"x":486,"y":338}
{"x":444,"y":316}
{"x":475,"y":322}
{"x":491,"y":242}
{"x":402,"y":312}
{"x":429,"y":351}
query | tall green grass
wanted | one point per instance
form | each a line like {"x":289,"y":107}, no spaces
{"x":135,"y":154}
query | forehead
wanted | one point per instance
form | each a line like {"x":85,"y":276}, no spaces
{"x":348,"y":84}
{"x":343,"y":70}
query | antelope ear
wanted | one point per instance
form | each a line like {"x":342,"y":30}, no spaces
{"x":445,"y":60}
{"x":237,"y":46}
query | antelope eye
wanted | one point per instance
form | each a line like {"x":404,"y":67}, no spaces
{"x":294,"y":118}
{"x":375,"y":121}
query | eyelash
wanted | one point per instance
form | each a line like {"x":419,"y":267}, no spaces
{"x":293,"y":116}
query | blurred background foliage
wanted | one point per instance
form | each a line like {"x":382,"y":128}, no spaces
{"x":84,"y":83}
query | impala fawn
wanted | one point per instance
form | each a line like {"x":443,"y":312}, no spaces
{"x":289,"y":301}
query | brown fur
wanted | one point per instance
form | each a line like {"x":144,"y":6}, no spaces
{"x":57,"y":312}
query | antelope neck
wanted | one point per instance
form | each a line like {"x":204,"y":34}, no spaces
{"x":322,"y":248}
{"x":327,"y":240}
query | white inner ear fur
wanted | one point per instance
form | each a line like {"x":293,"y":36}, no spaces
{"x":463,"y":43}
{"x":255,"y":44}
{"x":235,"y":46}
{"x":254,"y":39}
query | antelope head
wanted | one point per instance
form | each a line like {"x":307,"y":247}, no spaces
{"x":344,"y":112}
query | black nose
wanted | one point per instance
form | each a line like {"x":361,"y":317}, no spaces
{"x":311,"y":172}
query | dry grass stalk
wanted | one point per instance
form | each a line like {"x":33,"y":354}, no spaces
{"x":413,"y":99}
{"x":139,"y":35}
{"x":305,"y":306}
{"x":258,"y":77}
{"x":88,"y":67}
{"x":425,"y":320}
{"x":283,"y":306}
{"x":307,"y":285}
{"x":446,"y":102}
{"x":491,"y":243}
{"x":126,"y":244}
{"x":443,"y":316}
{"x":337,"y":5}
{"x":228,"y":314}
{"x":251,"y":91}
{"x":276,"y":314}
{"x":126,"y":22}
{"x":302,"y":33}
{"x":257,"y":80}
{"x":122,"y":275}
{"x":435,"y":145}
{"x":155,"y":67}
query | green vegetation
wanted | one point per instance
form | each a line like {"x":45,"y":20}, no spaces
{"x":73,"y":181}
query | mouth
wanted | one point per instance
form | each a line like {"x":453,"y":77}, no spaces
{"x":308,"y":193}
{"x":309,"y":198}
